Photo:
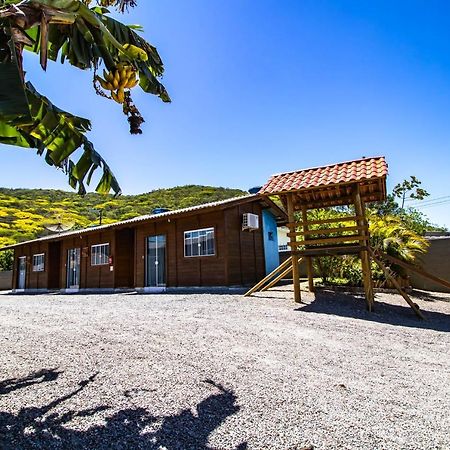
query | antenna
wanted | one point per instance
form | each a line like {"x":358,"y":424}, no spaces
{"x":60,"y":226}
{"x":98,"y":211}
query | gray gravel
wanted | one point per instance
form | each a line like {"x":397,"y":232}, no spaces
{"x":210,"y":371}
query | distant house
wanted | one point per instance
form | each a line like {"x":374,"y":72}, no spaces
{"x":226,"y":243}
{"x":283,"y":240}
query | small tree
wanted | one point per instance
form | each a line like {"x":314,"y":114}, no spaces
{"x":6,"y":260}
{"x":409,"y":189}
{"x":328,"y":267}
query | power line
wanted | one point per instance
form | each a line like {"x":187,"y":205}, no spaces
{"x":429,"y":205}
{"x":429,"y":201}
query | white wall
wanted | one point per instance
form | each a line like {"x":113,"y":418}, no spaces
{"x":283,"y":239}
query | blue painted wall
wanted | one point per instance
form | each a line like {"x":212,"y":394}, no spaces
{"x":269,"y":226}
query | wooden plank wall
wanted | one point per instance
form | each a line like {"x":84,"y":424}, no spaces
{"x":142,"y":231}
{"x":203,"y":270}
{"x":238,"y":259}
{"x":124,"y":258}
{"x":95,"y":277}
{"x":181,"y":271}
{"x":245,"y":249}
{"x":53,"y":264}
{"x":34,"y":280}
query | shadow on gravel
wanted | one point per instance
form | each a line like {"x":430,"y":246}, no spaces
{"x":354,"y":306}
{"x":136,"y":428}
{"x":7,"y":386}
{"x":427,"y":296}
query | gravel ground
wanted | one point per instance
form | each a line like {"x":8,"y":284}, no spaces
{"x":211,"y":371}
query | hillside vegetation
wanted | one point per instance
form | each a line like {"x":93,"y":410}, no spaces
{"x":24,"y":213}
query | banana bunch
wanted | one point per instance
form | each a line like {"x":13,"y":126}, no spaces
{"x":117,"y":80}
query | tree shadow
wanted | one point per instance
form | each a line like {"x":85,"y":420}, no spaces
{"x":44,"y":375}
{"x":354,"y":306}
{"x":41,"y":428}
{"x":428,"y":296}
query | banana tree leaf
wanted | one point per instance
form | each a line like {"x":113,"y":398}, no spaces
{"x":149,"y":83}
{"x":10,"y":135}
{"x":148,"y":70}
{"x":59,"y":134}
{"x":83,"y":44}
{"x":13,"y":100}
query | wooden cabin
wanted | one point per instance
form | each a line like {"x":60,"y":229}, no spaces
{"x":226,"y":243}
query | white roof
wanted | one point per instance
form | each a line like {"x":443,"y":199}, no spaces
{"x":137,"y":219}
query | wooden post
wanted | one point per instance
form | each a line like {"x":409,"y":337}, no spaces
{"x":295,"y":271}
{"x":308,"y":259}
{"x":365,"y":257}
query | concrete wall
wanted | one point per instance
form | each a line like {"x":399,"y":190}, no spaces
{"x":5,"y":280}
{"x":436,"y":262}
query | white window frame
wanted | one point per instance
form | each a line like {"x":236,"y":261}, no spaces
{"x":206,"y":230}
{"x":40,"y":267}
{"x":96,"y":256}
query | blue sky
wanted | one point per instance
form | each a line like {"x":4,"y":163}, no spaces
{"x":270,"y":86}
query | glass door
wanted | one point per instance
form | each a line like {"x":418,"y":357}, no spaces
{"x":73,"y":268}
{"x":21,"y":281}
{"x":156,"y":261}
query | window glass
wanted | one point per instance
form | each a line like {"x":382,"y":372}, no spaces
{"x":99,"y":254}
{"x":38,"y":262}
{"x":199,"y":242}
{"x":188,"y":244}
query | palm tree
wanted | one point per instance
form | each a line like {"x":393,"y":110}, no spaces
{"x":390,"y":235}
{"x":83,"y":34}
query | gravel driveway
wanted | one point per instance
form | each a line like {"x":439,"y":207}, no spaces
{"x":211,"y":371}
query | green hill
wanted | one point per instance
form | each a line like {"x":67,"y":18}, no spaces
{"x":25,"y":212}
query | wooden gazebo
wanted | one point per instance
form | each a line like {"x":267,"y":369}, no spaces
{"x":351,"y":183}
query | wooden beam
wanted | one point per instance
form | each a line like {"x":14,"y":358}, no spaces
{"x":330,"y":240}
{"x":294,"y":256}
{"x":365,"y":257}
{"x":397,"y":286}
{"x":278,"y":278}
{"x":307,"y":232}
{"x":332,"y":250}
{"x":415,"y":269}
{"x":268,"y":277}
{"x":309,"y":264}
{"x":322,"y":221}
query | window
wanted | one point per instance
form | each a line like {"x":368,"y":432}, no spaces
{"x":38,"y":262}
{"x":199,"y":242}
{"x":270,"y":236}
{"x":99,"y":254}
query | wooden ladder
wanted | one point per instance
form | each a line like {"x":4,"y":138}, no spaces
{"x":273,"y":278}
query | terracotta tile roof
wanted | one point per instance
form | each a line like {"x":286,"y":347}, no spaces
{"x":345,"y":172}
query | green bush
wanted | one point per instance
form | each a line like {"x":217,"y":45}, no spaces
{"x":6,"y":260}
